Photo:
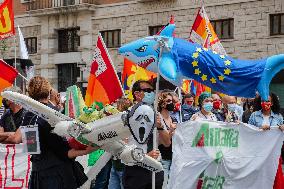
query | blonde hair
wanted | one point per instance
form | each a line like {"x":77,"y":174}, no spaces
{"x":162,"y":96}
{"x":39,"y":88}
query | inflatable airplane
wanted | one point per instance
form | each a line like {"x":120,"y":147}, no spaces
{"x":107,"y":133}
{"x":181,"y":59}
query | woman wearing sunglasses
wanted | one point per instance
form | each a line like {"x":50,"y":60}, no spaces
{"x":205,"y":102}
{"x":165,"y":106}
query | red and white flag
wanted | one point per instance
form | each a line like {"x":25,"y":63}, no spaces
{"x":103,"y":85}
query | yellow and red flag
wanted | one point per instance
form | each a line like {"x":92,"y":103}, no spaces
{"x":131,"y":73}
{"x":202,"y":32}
{"x":103,"y":85}
{"x":7,"y":28}
{"x":8,"y":75}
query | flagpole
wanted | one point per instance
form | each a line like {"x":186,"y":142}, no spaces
{"x":155,"y":137}
{"x":15,"y":63}
{"x":180,"y":100}
{"x":23,"y":77}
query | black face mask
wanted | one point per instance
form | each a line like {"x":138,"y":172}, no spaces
{"x":170,"y":107}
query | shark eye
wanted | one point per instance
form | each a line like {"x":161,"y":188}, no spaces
{"x":142,"y":49}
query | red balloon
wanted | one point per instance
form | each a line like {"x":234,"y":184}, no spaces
{"x":76,"y":145}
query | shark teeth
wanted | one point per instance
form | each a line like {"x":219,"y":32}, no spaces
{"x":146,"y":62}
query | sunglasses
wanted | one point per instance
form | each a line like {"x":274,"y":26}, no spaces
{"x":168,"y":101}
{"x":147,"y":90}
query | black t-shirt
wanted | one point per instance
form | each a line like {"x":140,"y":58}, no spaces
{"x":54,"y":148}
{"x":166,"y":152}
{"x":11,"y":122}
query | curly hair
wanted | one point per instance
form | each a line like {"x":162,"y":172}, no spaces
{"x":162,"y":96}
{"x":39,"y":88}
{"x":274,"y":99}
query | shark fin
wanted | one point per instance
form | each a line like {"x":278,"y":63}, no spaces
{"x":168,"y":30}
{"x":169,"y":70}
{"x":274,"y":64}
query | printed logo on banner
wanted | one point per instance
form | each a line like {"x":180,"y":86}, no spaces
{"x":207,"y":136}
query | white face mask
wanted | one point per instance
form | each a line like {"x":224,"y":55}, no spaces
{"x":232,"y":107}
{"x":142,"y":122}
{"x":149,"y":98}
{"x":208,"y":106}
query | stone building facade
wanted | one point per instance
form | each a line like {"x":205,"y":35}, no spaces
{"x":250,"y":39}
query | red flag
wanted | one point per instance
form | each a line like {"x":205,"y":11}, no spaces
{"x":103,"y":84}
{"x":8,"y":75}
{"x":7,"y":19}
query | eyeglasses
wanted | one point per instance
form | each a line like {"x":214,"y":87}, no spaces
{"x":147,"y":90}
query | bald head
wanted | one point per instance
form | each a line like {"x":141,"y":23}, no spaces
{"x":229,"y":99}
{"x":216,"y":97}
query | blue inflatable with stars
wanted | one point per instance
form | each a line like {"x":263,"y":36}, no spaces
{"x":181,"y":59}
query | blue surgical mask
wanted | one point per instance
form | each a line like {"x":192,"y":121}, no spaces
{"x":232,"y":107}
{"x":149,"y":98}
{"x":208,"y":106}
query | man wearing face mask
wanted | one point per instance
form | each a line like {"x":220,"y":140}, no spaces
{"x":188,"y":108}
{"x":217,"y":107}
{"x":233,"y":112}
{"x":13,"y":117}
{"x":134,"y":176}
{"x":205,"y":102}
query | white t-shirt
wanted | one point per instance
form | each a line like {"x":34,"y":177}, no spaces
{"x":266,"y":120}
{"x":200,"y":116}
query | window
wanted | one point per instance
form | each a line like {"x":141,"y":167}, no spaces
{"x":224,"y":28}
{"x":68,"y":40}
{"x":68,"y":2}
{"x":67,"y":76}
{"x":153,"y":30}
{"x":277,"y":24}
{"x":111,"y":38}
{"x":31,"y":43}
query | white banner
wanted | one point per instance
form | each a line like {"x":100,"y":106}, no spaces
{"x":224,"y":155}
{"x":15,"y":166}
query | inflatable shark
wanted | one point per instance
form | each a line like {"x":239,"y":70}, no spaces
{"x":177,"y":59}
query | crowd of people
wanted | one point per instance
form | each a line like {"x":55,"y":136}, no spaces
{"x":55,"y":167}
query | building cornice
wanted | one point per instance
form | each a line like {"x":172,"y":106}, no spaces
{"x":160,"y":10}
